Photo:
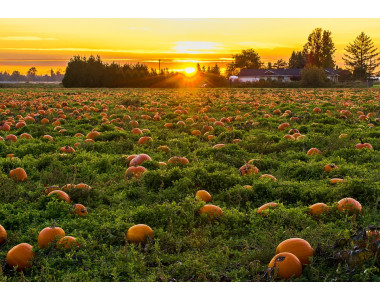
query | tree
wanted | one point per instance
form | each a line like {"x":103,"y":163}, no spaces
{"x":16,"y":76}
{"x":247,"y":59}
{"x":297,"y":60}
{"x":31,"y":74}
{"x":361,"y":57}
{"x":280,"y":64}
{"x":312,"y":76}
{"x":320,"y":49}
{"x":269,"y":65}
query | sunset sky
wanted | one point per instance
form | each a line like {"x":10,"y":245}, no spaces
{"x":179,"y":43}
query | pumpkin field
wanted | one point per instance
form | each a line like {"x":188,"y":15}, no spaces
{"x":189,"y":184}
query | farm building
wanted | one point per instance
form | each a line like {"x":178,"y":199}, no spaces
{"x":283,"y":75}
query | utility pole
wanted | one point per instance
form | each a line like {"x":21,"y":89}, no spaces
{"x":159,"y":66}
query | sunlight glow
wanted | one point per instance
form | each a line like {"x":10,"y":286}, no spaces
{"x":189,"y":71}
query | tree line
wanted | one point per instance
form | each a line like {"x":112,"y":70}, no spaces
{"x":31,"y":75}
{"x":360,"y":57}
{"x":92,"y":72}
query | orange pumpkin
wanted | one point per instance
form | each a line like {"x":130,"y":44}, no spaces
{"x":83,"y":186}
{"x":266,"y":206}
{"x":329,"y":168}
{"x":137,"y":172}
{"x":49,"y":235}
{"x":139,"y":233}
{"x":350,"y":205}
{"x":283,"y":126}
{"x":80,"y":210}
{"x":139,"y":159}
{"x":285,"y":265}
{"x":178,"y":160}
{"x":11,"y":138}
{"x":317,"y":209}
{"x":336,"y":180}
{"x":144,"y":140}
{"x":313,"y":151}
{"x":298,"y":247}
{"x":268,"y":176}
{"x":203,"y":195}
{"x":248,"y":169}
{"x":67,"y":242}
{"x":19,"y":174}
{"x":211,"y":211}
{"x":92,"y":135}
{"x":20,"y":256}
{"x":67,"y":149}
{"x":61,"y":195}
{"x":3,"y":235}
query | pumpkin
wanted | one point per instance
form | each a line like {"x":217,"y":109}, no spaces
{"x":178,"y":160}
{"x":50,"y":189}
{"x":68,"y":187}
{"x":80,"y":210}
{"x":67,"y":242}
{"x":48,"y":137}
{"x":144,"y":140}
{"x":203,"y":195}
{"x":266,"y":206}
{"x":49,"y":235}
{"x":3,"y":235}
{"x":298,"y":247}
{"x":282,"y":126}
{"x":343,"y":135}
{"x":61,"y":195}
{"x":67,"y":149}
{"x":139,"y":159}
{"x":20,"y":256}
{"x":45,"y":121}
{"x":18,"y":174}
{"x":211,"y":211}
{"x":92,"y":135}
{"x":137,"y":172}
{"x":363,"y":146}
{"x":139,"y":233}
{"x":26,"y":136}
{"x":136,"y":131}
{"x":329,"y":168}
{"x":196,"y":132}
{"x":336,"y":180}
{"x":350,"y":205}
{"x":217,"y":146}
{"x":11,"y":138}
{"x":248,"y":169}
{"x":313,"y":151}
{"x":83,"y":186}
{"x":317,"y":209}
{"x":268,"y":176}
{"x":285,"y":265}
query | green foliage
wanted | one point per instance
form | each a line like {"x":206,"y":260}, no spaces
{"x":188,"y":246}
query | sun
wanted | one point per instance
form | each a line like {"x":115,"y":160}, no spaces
{"x":189,"y":71}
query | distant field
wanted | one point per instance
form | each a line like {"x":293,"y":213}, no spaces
{"x":224,"y":134}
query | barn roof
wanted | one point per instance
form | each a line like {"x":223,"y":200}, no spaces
{"x":277,"y":72}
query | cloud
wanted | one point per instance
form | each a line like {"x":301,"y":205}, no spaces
{"x":195,"y":47}
{"x":25,"y":38}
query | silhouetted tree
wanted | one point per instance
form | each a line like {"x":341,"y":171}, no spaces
{"x":361,"y":57}
{"x":280,"y":64}
{"x":297,"y":60}
{"x":320,"y":49}
{"x":247,"y":59}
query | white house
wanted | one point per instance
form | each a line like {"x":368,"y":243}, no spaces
{"x":283,"y":75}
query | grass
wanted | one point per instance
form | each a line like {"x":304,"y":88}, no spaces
{"x":187,"y":246}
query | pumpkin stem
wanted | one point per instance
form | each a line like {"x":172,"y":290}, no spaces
{"x":361,"y":140}
{"x":53,"y":224}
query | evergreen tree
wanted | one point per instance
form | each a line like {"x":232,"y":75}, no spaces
{"x":361,"y":57}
